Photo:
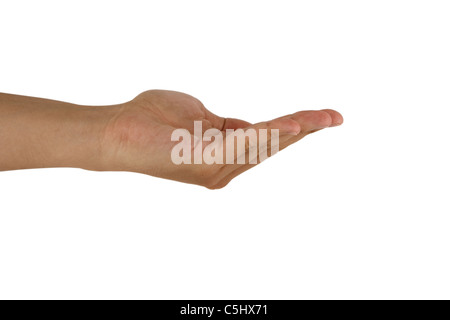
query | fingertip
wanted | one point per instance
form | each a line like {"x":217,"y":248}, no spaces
{"x":312,"y":120}
{"x":336,"y":118}
{"x":324,"y":119}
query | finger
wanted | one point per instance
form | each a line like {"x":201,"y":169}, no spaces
{"x":336,"y":118}
{"x":262,"y":134}
{"x":231,"y":171}
{"x":251,"y":145}
{"x":312,"y":121}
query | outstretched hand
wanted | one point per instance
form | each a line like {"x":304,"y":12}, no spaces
{"x":137,"y":136}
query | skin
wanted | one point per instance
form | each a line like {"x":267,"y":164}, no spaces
{"x":134,"y":136}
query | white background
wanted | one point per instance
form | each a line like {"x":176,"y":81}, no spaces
{"x":360,"y":211}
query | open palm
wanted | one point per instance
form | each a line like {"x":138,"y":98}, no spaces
{"x":138,"y":138}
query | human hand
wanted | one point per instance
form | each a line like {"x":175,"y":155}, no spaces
{"x":138,"y":136}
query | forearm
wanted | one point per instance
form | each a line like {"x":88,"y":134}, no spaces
{"x":40,"y":133}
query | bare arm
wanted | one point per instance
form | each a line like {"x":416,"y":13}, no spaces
{"x":41,"y":133}
{"x":133,"y":136}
